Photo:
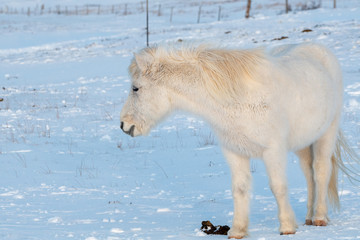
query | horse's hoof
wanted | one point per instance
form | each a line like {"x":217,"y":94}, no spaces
{"x":287,"y":233}
{"x":237,"y":233}
{"x":321,"y":223}
{"x":235,"y":237}
{"x":308,"y":222}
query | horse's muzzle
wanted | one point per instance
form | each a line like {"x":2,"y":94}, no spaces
{"x":130,"y":131}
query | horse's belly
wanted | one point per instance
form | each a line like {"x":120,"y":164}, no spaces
{"x":303,"y":135}
{"x":311,"y":122}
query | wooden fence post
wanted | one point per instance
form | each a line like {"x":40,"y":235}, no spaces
{"x":248,"y":6}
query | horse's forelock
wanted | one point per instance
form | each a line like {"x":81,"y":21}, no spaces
{"x":134,"y":70}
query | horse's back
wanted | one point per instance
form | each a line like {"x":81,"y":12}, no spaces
{"x":310,"y":85}
{"x":312,"y":53}
{"x":308,"y":64}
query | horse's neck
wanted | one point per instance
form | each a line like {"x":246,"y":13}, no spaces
{"x":199,"y":103}
{"x":215,"y":112}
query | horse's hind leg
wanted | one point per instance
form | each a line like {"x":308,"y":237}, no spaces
{"x":306,"y":161}
{"x":323,"y":150}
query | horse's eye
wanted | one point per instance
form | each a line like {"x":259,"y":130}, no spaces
{"x":135,"y":89}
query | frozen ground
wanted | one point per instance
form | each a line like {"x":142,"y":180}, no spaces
{"x":68,"y":172}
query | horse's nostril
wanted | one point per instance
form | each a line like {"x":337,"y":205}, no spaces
{"x":122,"y":125}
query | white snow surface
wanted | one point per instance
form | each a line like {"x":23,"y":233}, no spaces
{"x":68,"y":172}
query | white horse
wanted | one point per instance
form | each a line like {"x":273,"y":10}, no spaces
{"x":260,"y":103}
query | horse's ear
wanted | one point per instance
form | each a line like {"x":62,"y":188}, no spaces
{"x":143,"y":61}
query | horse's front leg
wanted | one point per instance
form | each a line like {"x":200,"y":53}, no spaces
{"x":241,"y":182}
{"x":275,"y":161}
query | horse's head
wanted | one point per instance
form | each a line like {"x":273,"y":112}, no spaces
{"x":149,"y":100}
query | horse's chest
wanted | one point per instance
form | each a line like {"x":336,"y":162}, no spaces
{"x":243,"y":131}
{"x":241,"y":143}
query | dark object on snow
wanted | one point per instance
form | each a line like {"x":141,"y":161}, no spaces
{"x":208,"y":228}
{"x":280,"y":38}
{"x":306,"y":30}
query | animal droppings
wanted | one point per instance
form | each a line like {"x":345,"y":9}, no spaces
{"x":208,"y":228}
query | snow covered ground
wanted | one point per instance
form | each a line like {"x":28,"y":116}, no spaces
{"x":68,"y":172}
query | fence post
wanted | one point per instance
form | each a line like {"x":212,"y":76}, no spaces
{"x":147,"y":23}
{"x":125,"y":12}
{"x":171,"y":13}
{"x":199,"y":13}
{"x":219,"y":13}
{"x":159,"y":11}
{"x":248,"y":6}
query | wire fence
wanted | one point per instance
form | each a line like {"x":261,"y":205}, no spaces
{"x":89,"y":9}
{"x":216,"y":10}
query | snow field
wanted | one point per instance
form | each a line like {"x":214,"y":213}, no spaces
{"x":68,"y":172}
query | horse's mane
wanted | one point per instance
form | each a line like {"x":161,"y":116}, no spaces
{"x":225,"y":73}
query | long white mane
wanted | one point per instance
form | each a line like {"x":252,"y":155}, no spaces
{"x":225,"y":73}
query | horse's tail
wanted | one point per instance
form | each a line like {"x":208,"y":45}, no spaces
{"x":343,"y":152}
